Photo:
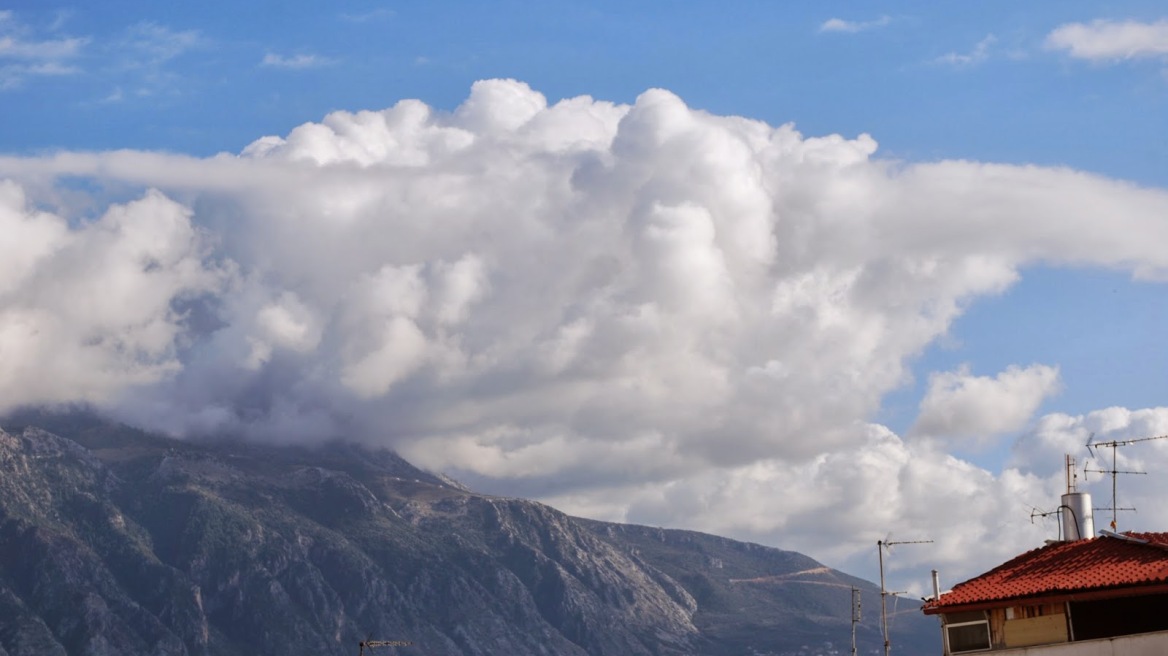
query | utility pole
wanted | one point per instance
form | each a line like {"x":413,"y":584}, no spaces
{"x":881,"y":545}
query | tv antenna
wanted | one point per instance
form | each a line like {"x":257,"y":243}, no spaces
{"x":371,"y":644}
{"x":855,"y":615}
{"x":881,"y":545}
{"x":1115,"y":471}
{"x":1072,"y":486}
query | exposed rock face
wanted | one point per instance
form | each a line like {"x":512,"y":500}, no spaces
{"x":117,"y":542}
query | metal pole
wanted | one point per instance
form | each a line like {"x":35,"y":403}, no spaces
{"x":855,"y":615}
{"x":883,"y":604}
{"x":1114,"y":498}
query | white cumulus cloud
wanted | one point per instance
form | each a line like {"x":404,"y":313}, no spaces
{"x":1111,"y":40}
{"x":959,"y":404}
{"x":92,"y":311}
{"x":839,"y":504}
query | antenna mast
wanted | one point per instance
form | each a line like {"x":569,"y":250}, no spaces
{"x":855,"y":615}
{"x":1114,"y":471}
{"x":881,"y":545}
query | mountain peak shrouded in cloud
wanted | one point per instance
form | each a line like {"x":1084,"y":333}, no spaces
{"x":636,"y":311}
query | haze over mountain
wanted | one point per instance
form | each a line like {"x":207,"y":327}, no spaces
{"x":114,"y":541}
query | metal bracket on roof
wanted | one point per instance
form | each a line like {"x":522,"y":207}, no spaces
{"x":1120,"y":536}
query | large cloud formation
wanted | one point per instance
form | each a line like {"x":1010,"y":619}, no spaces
{"x":641,"y":312}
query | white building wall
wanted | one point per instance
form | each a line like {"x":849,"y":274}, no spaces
{"x":1144,"y":644}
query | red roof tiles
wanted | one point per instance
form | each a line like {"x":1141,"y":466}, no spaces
{"x":1066,"y":567}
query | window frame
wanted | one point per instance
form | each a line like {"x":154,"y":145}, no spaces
{"x":989,"y":638}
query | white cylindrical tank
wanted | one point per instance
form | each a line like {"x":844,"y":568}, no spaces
{"x":1078,"y":520}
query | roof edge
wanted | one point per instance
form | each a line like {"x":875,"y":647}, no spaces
{"x":1057,"y":597}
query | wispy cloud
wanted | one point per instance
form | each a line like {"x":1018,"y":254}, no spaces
{"x":146,"y":60}
{"x":156,"y":44}
{"x":52,"y":49}
{"x":980,"y":53}
{"x":115,"y":96}
{"x":13,"y":76}
{"x":1108,"y":40}
{"x":365,"y":17}
{"x":296,"y":62}
{"x":139,"y":58}
{"x":851,"y":27}
{"x":60,"y":17}
{"x":25,"y":54}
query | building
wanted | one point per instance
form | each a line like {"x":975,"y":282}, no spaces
{"x":1104,"y":596}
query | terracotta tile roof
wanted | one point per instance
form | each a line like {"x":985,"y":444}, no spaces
{"x":1067,"y":567}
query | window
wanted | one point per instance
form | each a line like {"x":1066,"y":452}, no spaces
{"x":966,"y":632}
{"x":1108,"y":618}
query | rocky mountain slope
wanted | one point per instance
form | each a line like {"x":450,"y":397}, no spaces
{"x":113,"y":541}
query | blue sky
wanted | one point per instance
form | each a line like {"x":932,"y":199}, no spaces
{"x":209,"y":90}
{"x":1020,"y":106}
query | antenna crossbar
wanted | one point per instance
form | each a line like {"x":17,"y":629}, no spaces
{"x":1115,"y":471}
{"x":1128,"y":442}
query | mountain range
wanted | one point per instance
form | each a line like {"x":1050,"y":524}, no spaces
{"x":122,"y":542}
